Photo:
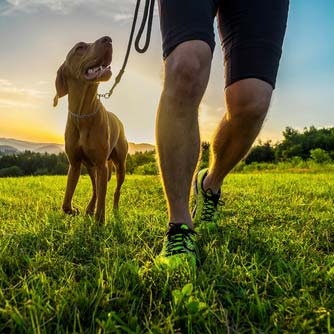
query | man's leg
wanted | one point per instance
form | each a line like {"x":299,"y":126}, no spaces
{"x":247,"y":103}
{"x":252,"y":37}
{"x":187,"y":71}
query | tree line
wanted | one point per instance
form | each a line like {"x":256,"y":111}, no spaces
{"x":311,"y":143}
{"x":31,"y":163}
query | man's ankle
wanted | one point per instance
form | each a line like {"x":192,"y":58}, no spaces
{"x":190,"y":224}
{"x":209,"y":184}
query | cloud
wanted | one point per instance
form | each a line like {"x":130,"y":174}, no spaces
{"x":29,"y":6}
{"x":7,"y":87}
{"x":122,"y":17}
{"x":117,"y":10}
{"x":13,"y":96}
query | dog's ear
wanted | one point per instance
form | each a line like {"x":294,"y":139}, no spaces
{"x":61,"y":84}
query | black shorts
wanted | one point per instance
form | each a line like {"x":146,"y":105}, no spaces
{"x":251,"y":32}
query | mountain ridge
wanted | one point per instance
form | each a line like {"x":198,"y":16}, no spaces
{"x":18,"y":145}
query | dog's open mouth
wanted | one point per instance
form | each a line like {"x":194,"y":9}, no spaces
{"x":97,"y":72}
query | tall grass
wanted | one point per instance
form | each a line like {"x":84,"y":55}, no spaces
{"x":268,"y":268}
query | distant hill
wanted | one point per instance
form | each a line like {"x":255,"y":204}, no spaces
{"x":22,"y":145}
{"x":133,"y":147}
{"x":7,"y":149}
{"x":11,"y":146}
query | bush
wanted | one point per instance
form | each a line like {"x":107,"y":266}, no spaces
{"x":41,"y":171}
{"x":239,"y":167}
{"x":147,"y":169}
{"x":258,"y":166}
{"x":11,"y":171}
{"x":320,"y":156}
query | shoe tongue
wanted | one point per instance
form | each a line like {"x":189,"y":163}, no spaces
{"x":213,"y":196}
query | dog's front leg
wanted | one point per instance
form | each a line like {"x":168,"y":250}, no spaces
{"x":91,"y":206}
{"x":102,"y":179}
{"x":120,"y":175}
{"x":72,"y":180}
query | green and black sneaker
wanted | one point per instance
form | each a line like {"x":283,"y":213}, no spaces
{"x":179,"y":247}
{"x":205,"y":212}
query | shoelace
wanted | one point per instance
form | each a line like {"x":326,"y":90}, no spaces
{"x":210,"y":205}
{"x":179,"y":240}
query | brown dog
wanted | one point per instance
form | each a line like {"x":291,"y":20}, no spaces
{"x":93,"y":136}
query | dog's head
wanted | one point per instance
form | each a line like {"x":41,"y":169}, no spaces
{"x":88,"y":63}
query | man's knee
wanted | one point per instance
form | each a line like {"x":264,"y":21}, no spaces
{"x":248,"y":99}
{"x":187,"y":70}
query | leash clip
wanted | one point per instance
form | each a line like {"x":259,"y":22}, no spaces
{"x":146,"y":21}
{"x":105,"y":95}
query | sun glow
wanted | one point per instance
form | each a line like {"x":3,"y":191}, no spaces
{"x":29,"y":132}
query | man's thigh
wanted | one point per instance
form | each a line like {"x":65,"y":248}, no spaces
{"x":186,"y":20}
{"x":252,"y":35}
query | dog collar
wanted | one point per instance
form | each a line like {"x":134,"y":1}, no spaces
{"x":86,"y":115}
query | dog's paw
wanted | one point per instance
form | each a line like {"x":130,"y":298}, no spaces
{"x":71,"y":211}
{"x":100,"y":218}
{"x":90,"y":211}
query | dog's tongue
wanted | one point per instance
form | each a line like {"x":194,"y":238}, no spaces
{"x":96,"y":72}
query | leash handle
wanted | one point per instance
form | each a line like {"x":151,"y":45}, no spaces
{"x":147,"y":18}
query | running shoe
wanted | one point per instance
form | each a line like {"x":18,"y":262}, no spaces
{"x":205,"y":212}
{"x":179,"y":246}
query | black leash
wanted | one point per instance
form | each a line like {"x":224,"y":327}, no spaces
{"x":147,"y":17}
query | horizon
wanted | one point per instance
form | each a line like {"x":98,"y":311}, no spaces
{"x":302,"y":98}
{"x":258,"y":141}
{"x":50,"y":142}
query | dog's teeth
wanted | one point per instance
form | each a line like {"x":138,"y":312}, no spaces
{"x":96,"y":69}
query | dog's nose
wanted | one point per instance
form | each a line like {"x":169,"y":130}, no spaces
{"x":106,"y":40}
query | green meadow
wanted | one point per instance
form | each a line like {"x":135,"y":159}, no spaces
{"x":267,"y":268}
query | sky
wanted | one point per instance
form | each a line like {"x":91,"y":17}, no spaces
{"x":36,"y":35}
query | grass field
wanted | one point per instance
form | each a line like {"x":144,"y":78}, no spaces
{"x":268,"y":268}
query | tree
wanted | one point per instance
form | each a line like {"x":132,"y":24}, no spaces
{"x":205,"y":155}
{"x":300,"y":144}
{"x":261,"y":153}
